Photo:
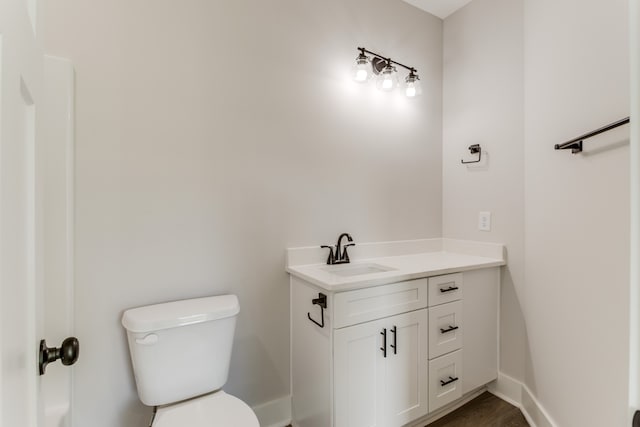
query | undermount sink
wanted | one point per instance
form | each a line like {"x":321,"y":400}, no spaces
{"x":349,"y":270}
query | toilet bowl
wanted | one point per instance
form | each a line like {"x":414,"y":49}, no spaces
{"x":180,"y":352}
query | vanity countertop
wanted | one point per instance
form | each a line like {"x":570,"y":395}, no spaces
{"x":395,"y":262}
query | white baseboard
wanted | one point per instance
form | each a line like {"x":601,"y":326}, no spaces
{"x":538,"y":416}
{"x":518,"y":394}
{"x":507,"y":389}
{"x":276,"y":413}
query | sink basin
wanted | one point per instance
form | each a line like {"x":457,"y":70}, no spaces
{"x":349,"y":270}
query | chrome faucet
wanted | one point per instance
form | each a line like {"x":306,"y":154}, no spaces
{"x":341,"y":256}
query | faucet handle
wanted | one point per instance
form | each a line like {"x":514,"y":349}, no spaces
{"x":345,"y":255}
{"x":331,"y":258}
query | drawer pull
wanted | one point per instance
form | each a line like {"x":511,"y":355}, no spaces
{"x":384,"y":342}
{"x":394,"y":346}
{"x":449,"y":289}
{"x":451,"y":328}
{"x":449,"y":381}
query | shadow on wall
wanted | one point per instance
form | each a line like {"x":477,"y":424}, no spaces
{"x":135,"y":413}
{"x":245,"y":373}
{"x":513,"y":330}
{"x":515,"y":346}
{"x":612,"y":146}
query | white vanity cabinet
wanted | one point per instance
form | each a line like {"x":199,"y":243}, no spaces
{"x":446,"y":332}
{"x":389,"y":355}
{"x":379,"y":371}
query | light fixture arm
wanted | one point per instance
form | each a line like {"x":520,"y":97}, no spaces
{"x":388,"y":60}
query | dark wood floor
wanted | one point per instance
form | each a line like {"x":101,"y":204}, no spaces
{"x":485,"y":410}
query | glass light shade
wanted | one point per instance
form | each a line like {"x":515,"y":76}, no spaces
{"x":387,"y":79}
{"x":361,"y":71}
{"x":413,"y":87}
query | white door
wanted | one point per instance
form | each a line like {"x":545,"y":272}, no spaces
{"x":359,"y":372}
{"x":406,"y":389}
{"x":22,"y":216}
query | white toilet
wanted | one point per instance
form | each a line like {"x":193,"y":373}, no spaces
{"x":180,"y":353}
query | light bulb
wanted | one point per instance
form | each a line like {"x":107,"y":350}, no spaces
{"x":413,"y":87}
{"x":361,"y":76}
{"x":388,"y":79}
{"x":387,"y":83}
{"x":361,"y":71}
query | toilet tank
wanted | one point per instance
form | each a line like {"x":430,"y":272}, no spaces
{"x":181,"y":349}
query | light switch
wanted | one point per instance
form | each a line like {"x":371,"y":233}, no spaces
{"x":484,"y":221}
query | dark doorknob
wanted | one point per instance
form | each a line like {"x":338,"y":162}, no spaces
{"x":68,"y":353}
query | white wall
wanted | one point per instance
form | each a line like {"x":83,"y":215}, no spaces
{"x":577,"y":210}
{"x":213,"y":135}
{"x":483,"y":104}
{"x":573,"y":343}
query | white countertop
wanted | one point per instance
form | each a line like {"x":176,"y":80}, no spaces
{"x":436,"y":257}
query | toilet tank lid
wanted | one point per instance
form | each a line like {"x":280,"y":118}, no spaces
{"x":180,"y":313}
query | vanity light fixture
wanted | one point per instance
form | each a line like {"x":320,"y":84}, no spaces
{"x":387,"y":80}
{"x":412,"y":84}
{"x":362,"y":71}
{"x":385,"y":71}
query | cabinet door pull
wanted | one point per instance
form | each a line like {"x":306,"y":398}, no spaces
{"x":449,"y":381}
{"x":384,"y":342}
{"x":395,"y":340}
{"x":451,"y":328}
{"x":449,"y":289}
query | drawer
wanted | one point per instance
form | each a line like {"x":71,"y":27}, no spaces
{"x":362,"y":305}
{"x":443,"y":289}
{"x":445,"y":329}
{"x":445,"y":380}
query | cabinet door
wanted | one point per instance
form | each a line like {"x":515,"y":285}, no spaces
{"x":359,"y":375}
{"x":406,"y":387}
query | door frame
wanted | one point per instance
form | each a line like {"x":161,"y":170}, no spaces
{"x":634,"y":313}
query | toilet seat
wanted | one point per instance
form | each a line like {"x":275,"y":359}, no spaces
{"x":217,"y":409}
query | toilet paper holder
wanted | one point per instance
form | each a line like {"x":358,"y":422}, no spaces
{"x":474,"y":149}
